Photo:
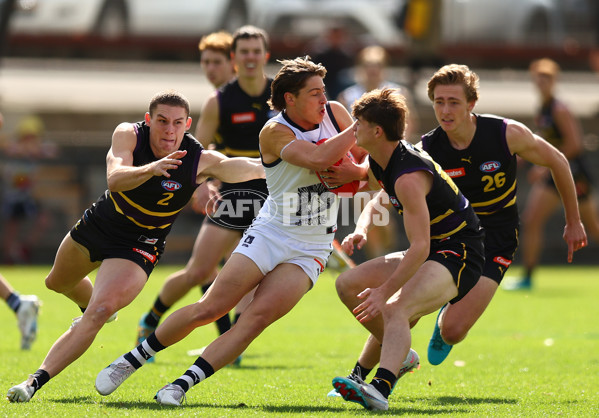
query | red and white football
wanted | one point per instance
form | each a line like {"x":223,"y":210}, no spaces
{"x":347,"y":189}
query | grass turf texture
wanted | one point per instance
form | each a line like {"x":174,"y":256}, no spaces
{"x":531,"y":354}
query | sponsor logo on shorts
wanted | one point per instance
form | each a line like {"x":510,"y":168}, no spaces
{"x":245,"y":117}
{"x":456,"y":172}
{"x":247,"y":241}
{"x":146,"y":240}
{"x":170,"y":185}
{"x":503,"y":261}
{"x":150,"y":257}
{"x":490,"y":166}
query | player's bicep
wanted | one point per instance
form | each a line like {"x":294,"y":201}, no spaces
{"x":278,"y":141}
{"x":411,"y":190}
{"x":121,"y":150}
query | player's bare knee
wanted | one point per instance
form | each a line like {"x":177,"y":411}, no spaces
{"x":394,"y":313}
{"x":100,"y":313}
{"x":54,"y":284}
{"x":453,"y":333}
{"x":198,"y":275}
{"x":253,"y":325}
{"x":346,"y":286}
{"x":204,"y":313}
{"x":255,"y":329}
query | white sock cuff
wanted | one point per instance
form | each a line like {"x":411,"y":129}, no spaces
{"x":147,"y":348}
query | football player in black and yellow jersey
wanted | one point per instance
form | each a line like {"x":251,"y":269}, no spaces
{"x":153,"y":168}
{"x":556,"y":123}
{"x":485,"y":148}
{"x":479,"y":153}
{"x":231,"y":120}
{"x":443,"y":262}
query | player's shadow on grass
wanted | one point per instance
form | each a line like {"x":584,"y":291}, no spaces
{"x":346,"y":408}
{"x":465,"y":400}
{"x":153,"y":406}
{"x":446,"y":405}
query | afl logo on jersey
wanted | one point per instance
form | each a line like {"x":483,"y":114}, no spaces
{"x":490,"y":166}
{"x":170,"y":185}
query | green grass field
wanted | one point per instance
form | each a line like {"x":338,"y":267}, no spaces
{"x":532,"y":354}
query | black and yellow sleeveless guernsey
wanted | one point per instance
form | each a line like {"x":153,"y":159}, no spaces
{"x":485,"y":172}
{"x":134,"y":224}
{"x":456,"y":235}
{"x":241,"y":119}
{"x":548,"y":129}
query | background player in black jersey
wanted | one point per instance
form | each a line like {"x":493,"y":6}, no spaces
{"x":232,"y":116}
{"x":444,"y":261}
{"x":556,"y":123}
{"x":478,"y":152}
{"x":215,"y":58}
{"x":152,"y":170}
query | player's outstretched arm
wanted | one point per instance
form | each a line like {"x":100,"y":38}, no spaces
{"x":536,"y":150}
{"x":229,"y":170}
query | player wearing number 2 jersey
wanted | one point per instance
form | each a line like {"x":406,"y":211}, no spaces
{"x":152,"y":169}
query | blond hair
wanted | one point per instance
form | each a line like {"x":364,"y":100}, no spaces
{"x":455,"y":74}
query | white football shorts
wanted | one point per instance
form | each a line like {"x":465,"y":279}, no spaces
{"x":267,"y":247}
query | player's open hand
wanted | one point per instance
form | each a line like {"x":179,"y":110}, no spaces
{"x":373,"y":303}
{"x":355,"y":239}
{"x":170,"y":162}
{"x":338,"y":175}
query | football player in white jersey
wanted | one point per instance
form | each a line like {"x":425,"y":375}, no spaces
{"x":288,"y":244}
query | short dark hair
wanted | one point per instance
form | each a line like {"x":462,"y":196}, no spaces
{"x":169,"y":98}
{"x":386,"y":108}
{"x":291,"y":78}
{"x":248,"y":32}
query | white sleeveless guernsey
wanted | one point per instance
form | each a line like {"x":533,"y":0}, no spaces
{"x":298,"y":204}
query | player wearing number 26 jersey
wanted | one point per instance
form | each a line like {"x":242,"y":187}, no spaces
{"x":485,"y":172}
